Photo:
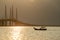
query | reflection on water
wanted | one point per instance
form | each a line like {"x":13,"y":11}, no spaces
{"x":15,"y":33}
{"x":28,"y":33}
{"x":10,"y":33}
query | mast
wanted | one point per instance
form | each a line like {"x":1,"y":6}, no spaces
{"x":16,"y":14}
{"x":10,"y":17}
{"x":5,"y":15}
{"x":5,"y":12}
{"x":12,"y":12}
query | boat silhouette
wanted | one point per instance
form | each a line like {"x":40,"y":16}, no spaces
{"x":39,"y":28}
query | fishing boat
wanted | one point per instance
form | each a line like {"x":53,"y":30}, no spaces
{"x":42,"y":28}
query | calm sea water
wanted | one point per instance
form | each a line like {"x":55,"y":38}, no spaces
{"x":28,"y":33}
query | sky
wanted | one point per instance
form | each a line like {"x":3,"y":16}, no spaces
{"x":39,"y":12}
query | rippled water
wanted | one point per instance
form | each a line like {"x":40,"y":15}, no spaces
{"x":28,"y":33}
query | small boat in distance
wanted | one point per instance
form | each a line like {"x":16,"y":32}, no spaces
{"x":42,"y":28}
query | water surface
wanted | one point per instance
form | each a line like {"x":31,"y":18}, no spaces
{"x":28,"y":33}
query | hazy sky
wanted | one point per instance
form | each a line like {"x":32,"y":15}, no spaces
{"x":40,"y":12}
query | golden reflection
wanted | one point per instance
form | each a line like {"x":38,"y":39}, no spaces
{"x":16,"y":33}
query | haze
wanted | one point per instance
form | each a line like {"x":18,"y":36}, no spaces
{"x":39,"y":12}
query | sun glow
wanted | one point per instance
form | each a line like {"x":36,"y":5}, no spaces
{"x":31,"y":0}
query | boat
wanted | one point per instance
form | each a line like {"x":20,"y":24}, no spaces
{"x":39,"y":28}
